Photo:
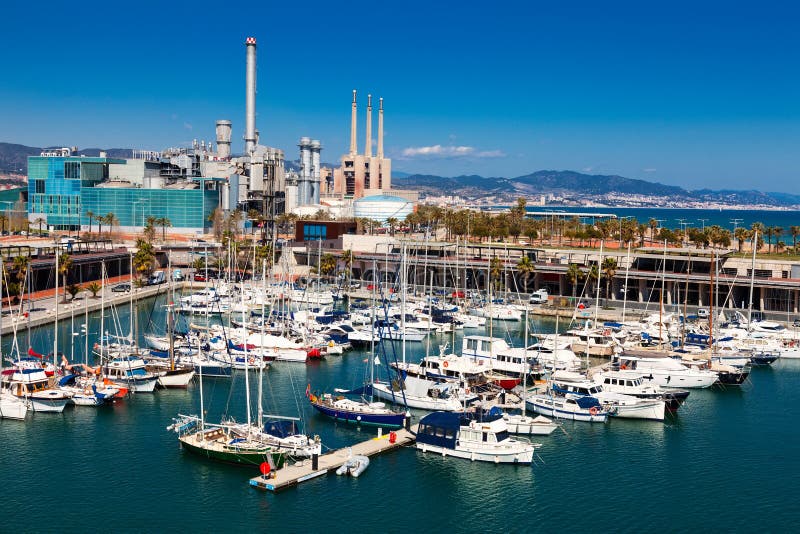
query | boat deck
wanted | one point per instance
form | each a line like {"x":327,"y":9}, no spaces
{"x":292,"y":475}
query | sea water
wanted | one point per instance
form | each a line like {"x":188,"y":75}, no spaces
{"x":727,"y":462}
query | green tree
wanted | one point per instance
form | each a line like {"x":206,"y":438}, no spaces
{"x":574,"y":275}
{"x":93,"y":288}
{"x":144,"y":259}
{"x":89,"y":215}
{"x":73,"y":289}
{"x":794,"y":231}
{"x":40,"y":221}
{"x":741,"y":234}
{"x":327,"y":264}
{"x":64,"y":268}
{"x":609,"y":272}
{"x":496,"y":273}
{"x":526,"y":267}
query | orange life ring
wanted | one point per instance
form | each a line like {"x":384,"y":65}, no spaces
{"x":593,"y":410}
{"x":445,"y":365}
{"x":622,"y":367}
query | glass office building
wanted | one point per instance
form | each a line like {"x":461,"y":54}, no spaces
{"x":55,"y":184}
{"x":63,"y":189}
{"x":185,"y":208}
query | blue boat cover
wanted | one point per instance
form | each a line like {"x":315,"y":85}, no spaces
{"x":439,"y":429}
{"x":280,"y":428}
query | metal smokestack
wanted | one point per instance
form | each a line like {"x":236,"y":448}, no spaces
{"x":304,"y":183}
{"x":353,"y":149}
{"x":368,"y":148}
{"x":224,"y":139}
{"x":316,"y":148}
{"x":380,"y":129}
{"x":250,"y":103}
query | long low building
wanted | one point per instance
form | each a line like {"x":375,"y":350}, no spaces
{"x":686,"y":275}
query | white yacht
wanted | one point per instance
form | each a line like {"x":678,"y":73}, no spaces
{"x":667,"y":372}
{"x":452,"y":434}
{"x":618,"y":404}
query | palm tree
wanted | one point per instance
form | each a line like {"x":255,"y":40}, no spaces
{"x":495,"y":272}
{"x":164,"y":223}
{"x":40,"y":221}
{"x":111,"y":221}
{"x":742,"y":234}
{"x":593,"y":275}
{"x":93,"y":288}
{"x":64,"y":267}
{"x":609,"y":271}
{"x":3,"y":221}
{"x":348,"y":258}
{"x":392,"y":223}
{"x":794,"y":231}
{"x":89,"y":215}
{"x":525,"y":266}
{"x":653,"y":224}
{"x":574,"y":275}
{"x":327,"y":264}
{"x":72,"y":289}
{"x":777,"y":231}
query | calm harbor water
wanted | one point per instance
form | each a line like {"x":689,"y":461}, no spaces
{"x":694,"y":218}
{"x":728,"y":461}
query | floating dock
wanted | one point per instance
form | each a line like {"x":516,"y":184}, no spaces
{"x":304,"y":470}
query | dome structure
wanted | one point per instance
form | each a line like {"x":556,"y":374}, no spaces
{"x":382,"y":207}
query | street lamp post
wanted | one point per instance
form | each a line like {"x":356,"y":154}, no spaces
{"x":703,"y":222}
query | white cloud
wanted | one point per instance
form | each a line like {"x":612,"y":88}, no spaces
{"x":649,"y":170}
{"x":439,"y":151}
{"x":587,"y":169}
{"x":187,"y":125}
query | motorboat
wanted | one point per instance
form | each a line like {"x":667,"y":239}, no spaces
{"x":617,"y":404}
{"x":33,"y":386}
{"x":487,"y":440}
{"x":424,"y":394}
{"x":11,"y":406}
{"x":633,"y":383}
{"x":527,"y":425}
{"x":667,"y":372}
{"x":570,"y":407}
{"x":130,"y":372}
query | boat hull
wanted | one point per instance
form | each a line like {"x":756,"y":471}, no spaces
{"x":553,"y":407}
{"x":231,"y":455}
{"x":522,"y":457}
{"x":13,"y":408}
{"x":394,"y":420}
{"x":179,"y":378}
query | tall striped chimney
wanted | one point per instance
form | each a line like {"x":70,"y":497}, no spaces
{"x":380,"y":129}
{"x":250,"y":102}
{"x":353,"y":149}
{"x":368,"y":148}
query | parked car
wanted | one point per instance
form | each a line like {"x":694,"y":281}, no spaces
{"x":121,"y":288}
{"x":199,"y":277}
{"x":156,"y":278}
{"x":177,"y":275}
{"x":539,"y":297}
{"x":702,"y":313}
{"x":796,"y":323}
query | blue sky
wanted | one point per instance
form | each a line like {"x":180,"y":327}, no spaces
{"x":696,"y":94}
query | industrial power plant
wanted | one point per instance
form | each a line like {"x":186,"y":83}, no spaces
{"x":188,"y":184}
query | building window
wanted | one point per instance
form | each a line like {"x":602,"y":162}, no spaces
{"x":72,"y":170}
{"x":38,"y":186}
{"x":315,"y":232}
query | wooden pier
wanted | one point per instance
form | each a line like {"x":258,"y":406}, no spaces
{"x":293,"y":475}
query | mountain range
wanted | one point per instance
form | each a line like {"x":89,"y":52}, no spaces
{"x":568,"y":185}
{"x":571,"y":185}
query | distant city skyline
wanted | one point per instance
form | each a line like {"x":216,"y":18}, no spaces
{"x":690,"y":94}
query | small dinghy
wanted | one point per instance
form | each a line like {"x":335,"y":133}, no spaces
{"x":353,"y":466}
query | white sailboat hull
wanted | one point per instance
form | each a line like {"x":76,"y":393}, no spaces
{"x":556,"y":407}
{"x":13,"y":408}
{"x":384,"y":392}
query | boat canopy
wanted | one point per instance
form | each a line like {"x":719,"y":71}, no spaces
{"x":280,"y":428}
{"x":439,"y":429}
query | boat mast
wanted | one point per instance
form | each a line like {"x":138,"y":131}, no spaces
{"x":661,"y":297}
{"x":627,"y":271}
{"x":103,"y":307}
{"x":752,"y":278}
{"x":711,"y":306}
{"x":55,"y":327}
{"x":403,"y":274}
{"x":525,"y":363}
{"x":246,"y":367}
{"x":170,"y":328}
{"x":202,"y":407}
{"x":261,"y":341}
{"x":597,"y":290}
